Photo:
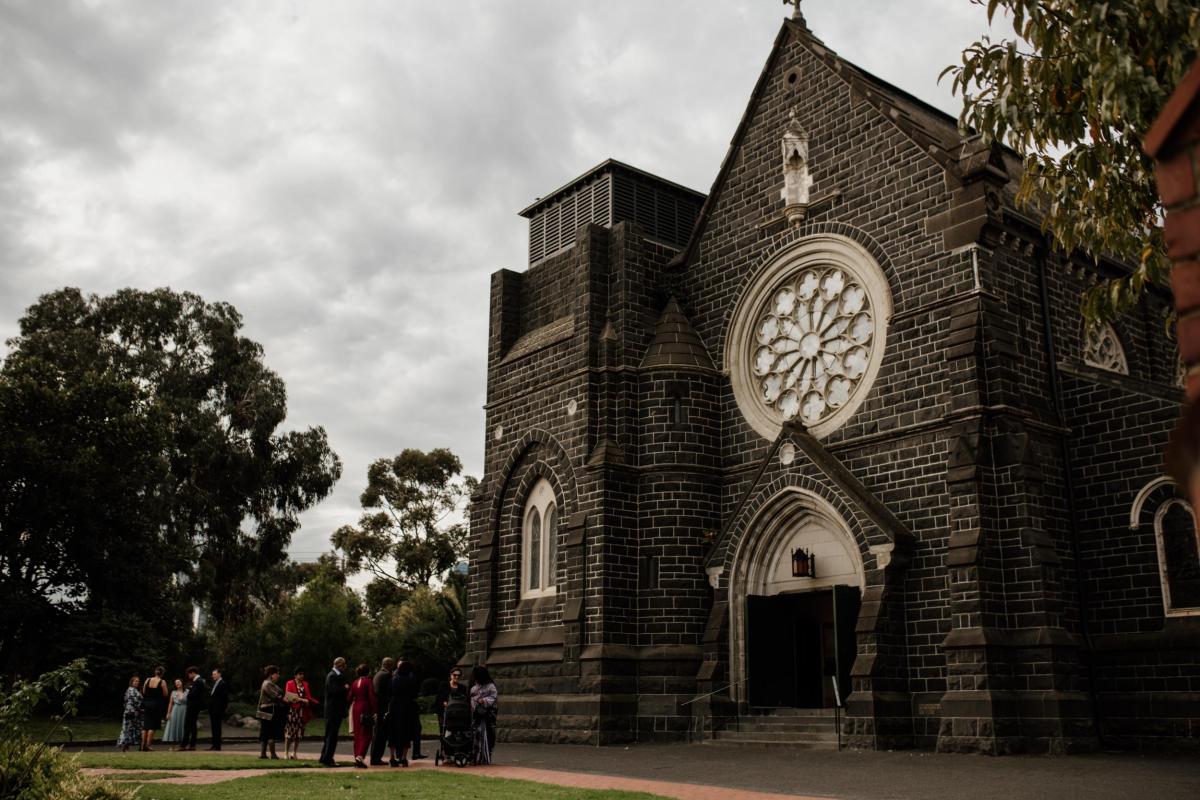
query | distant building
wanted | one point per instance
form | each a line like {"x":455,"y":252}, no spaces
{"x":835,"y":430}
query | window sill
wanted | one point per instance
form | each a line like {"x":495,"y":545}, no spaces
{"x":542,"y":601}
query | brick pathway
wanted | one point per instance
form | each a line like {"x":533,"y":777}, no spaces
{"x":578,"y":780}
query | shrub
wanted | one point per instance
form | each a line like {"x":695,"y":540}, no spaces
{"x":32,"y":771}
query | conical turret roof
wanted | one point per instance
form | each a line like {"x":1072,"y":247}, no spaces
{"x":675,"y":343}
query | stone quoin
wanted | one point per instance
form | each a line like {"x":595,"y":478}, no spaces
{"x":863,"y":354}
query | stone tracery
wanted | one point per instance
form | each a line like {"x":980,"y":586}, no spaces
{"x":812,"y":343}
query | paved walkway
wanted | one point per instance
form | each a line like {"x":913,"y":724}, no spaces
{"x":580,"y":780}
{"x":707,"y":772}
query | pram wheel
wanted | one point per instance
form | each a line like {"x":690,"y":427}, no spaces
{"x":460,"y":760}
{"x":437,"y":758}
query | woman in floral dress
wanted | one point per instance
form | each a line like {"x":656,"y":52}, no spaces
{"x":131,"y":720}
{"x":299,"y":713}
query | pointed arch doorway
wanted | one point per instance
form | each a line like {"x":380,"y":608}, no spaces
{"x":792,"y":638}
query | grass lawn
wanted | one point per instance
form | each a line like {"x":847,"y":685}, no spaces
{"x":95,"y":729}
{"x":165,"y":759}
{"x":83,"y":729}
{"x":423,"y":784}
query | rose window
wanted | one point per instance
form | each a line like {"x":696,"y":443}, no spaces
{"x":813,"y":344}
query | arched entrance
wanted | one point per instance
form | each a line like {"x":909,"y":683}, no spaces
{"x":792,"y":640}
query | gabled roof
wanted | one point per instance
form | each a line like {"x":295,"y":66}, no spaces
{"x":932,"y":129}
{"x":676,"y":343}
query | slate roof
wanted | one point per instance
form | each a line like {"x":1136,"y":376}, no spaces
{"x":676,"y":343}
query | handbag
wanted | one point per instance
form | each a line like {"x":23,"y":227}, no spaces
{"x":266,"y":709}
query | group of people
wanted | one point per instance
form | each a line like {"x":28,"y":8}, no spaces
{"x":150,"y":704}
{"x":382,"y":709}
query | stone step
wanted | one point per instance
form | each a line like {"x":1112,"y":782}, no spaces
{"x":777,"y":736}
{"x":760,"y":743}
{"x":791,"y":712}
{"x":778,"y":726}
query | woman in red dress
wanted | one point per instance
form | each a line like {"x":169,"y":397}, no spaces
{"x":299,"y":713}
{"x":362,"y":714}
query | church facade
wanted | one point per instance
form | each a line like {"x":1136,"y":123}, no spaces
{"x":832,"y":435}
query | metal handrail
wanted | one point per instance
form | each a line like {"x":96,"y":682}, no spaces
{"x":714,"y":691}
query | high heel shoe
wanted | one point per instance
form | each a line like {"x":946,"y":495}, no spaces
{"x":393,"y":763}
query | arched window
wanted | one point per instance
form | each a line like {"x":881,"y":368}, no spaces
{"x":1177,"y":544}
{"x":1102,"y":348}
{"x":1178,"y":557}
{"x":539,"y":536}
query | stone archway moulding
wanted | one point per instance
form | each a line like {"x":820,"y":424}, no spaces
{"x":756,"y":554}
{"x":516,"y":455}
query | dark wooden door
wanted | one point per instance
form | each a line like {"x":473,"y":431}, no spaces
{"x":785,"y":653}
{"x":847,"y":601}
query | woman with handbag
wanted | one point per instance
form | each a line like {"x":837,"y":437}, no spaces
{"x":362,"y":714}
{"x":272,"y":711}
{"x":301,"y":700}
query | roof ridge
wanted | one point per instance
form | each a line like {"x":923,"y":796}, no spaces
{"x":941,"y":152}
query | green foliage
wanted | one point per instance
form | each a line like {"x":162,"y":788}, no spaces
{"x":138,"y":442}
{"x":61,"y":687}
{"x":406,"y":535}
{"x":1074,"y":93}
{"x":32,"y":770}
{"x":308,"y":630}
{"x":429,"y":629}
{"x":382,"y":594}
{"x":36,"y":772}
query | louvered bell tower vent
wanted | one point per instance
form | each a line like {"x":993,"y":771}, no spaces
{"x":605,"y":195}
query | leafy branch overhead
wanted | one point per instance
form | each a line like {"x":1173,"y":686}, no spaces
{"x":1073,"y":93}
{"x":412,"y":530}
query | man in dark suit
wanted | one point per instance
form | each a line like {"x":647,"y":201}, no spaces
{"x":383,"y":691}
{"x":218,"y":701}
{"x":336,"y":708}
{"x":197,"y":694}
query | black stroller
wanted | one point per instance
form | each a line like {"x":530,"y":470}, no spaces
{"x":458,"y":732}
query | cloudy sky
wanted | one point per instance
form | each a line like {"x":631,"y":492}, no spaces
{"x":347,"y":173}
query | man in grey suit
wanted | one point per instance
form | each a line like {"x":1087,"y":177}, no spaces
{"x":336,"y":707}
{"x":383,"y":692}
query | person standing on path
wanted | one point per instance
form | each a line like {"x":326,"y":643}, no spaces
{"x":362,"y":714}
{"x":196,"y":695}
{"x":131,"y":717}
{"x":484,"y":698}
{"x":218,"y":701}
{"x":272,"y":711}
{"x":176,"y":711}
{"x":336,"y":706}
{"x":299,"y":712}
{"x":154,"y":699}
{"x":383,"y":692}
{"x":402,"y":712}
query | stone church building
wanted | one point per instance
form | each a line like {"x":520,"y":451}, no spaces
{"x":830,"y":445}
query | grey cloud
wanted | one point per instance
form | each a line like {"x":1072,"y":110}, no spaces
{"x":348,"y":174}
